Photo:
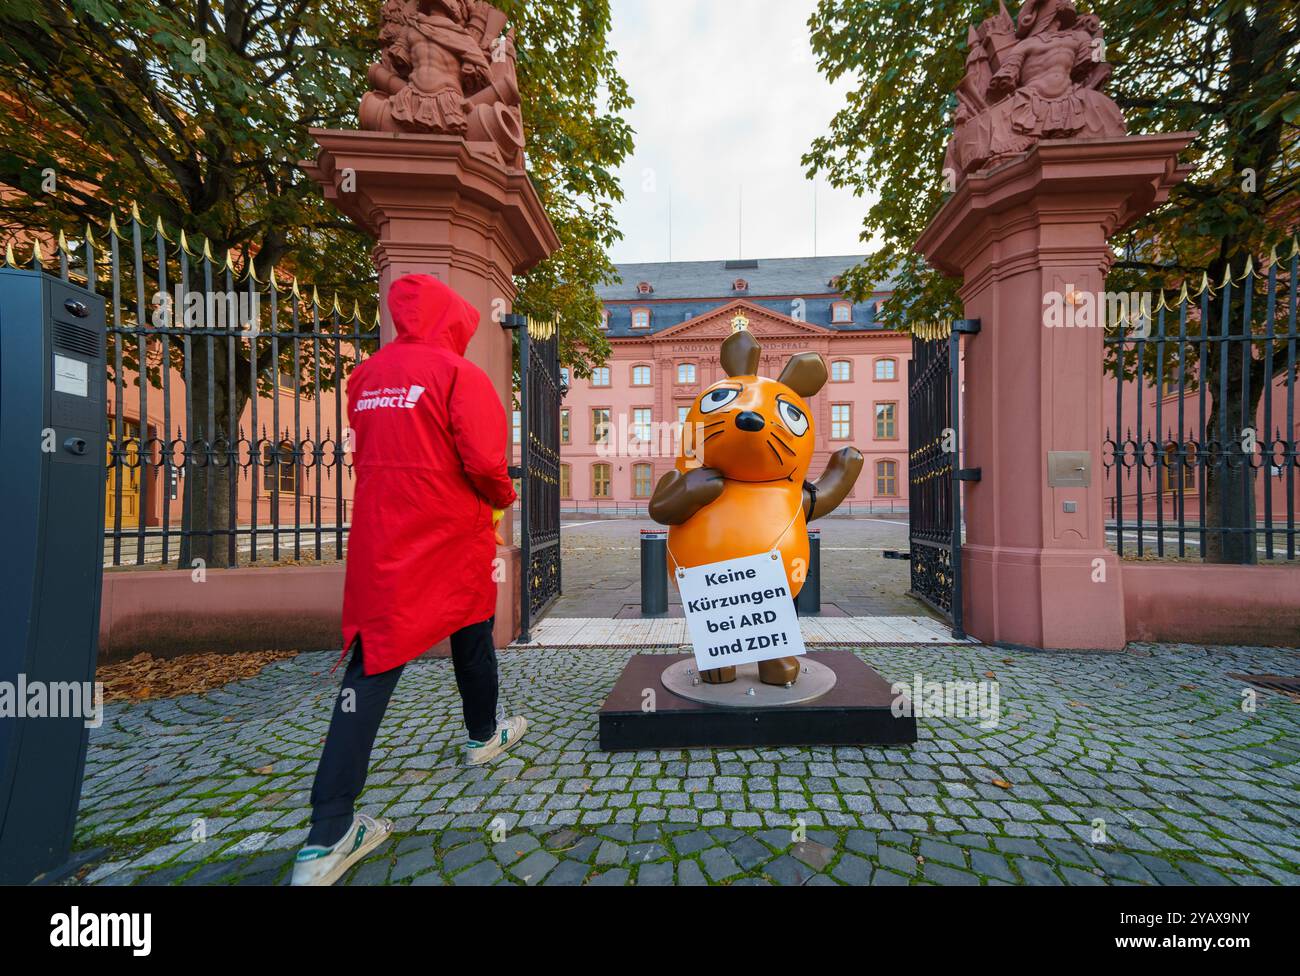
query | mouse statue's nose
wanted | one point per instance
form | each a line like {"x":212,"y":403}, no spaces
{"x":748,"y":420}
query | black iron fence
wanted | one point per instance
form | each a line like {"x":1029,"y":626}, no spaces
{"x":228,"y":439}
{"x":1201,"y":444}
{"x":934,"y":471}
{"x":541,"y":390}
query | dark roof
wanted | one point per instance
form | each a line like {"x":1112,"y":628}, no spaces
{"x":713,"y":279}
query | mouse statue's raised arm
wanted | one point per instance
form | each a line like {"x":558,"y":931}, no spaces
{"x":739,"y":486}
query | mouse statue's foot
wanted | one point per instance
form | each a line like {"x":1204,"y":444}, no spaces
{"x":718,"y":676}
{"x":779,"y":671}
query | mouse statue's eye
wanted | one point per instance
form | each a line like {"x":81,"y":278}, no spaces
{"x":793,"y":418}
{"x":717,"y":399}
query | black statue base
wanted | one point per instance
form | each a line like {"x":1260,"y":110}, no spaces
{"x":856,"y":711}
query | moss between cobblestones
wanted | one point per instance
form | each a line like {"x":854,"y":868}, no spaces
{"x":1190,"y":789}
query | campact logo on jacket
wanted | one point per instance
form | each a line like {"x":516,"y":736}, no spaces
{"x":390,"y":397}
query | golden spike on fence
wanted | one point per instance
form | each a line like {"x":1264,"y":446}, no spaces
{"x":63,"y":243}
{"x":9,"y":255}
{"x":1205,"y":283}
{"x":135,"y":213}
{"x":315,"y":297}
{"x":1295,"y":245}
{"x":229,"y":265}
{"x":1227,"y":275}
{"x":356,"y":310}
{"x":336,"y":310}
{"x":161,"y":231}
{"x":376,"y":316}
{"x":1160,"y":304}
{"x":207,"y":250}
{"x":1249,"y":272}
{"x":1182,"y":294}
{"x":250,"y":271}
{"x":113,"y":228}
{"x":90,"y":240}
{"x":1272,"y":256}
{"x":185,"y":244}
{"x":36,"y":252}
{"x":294,"y":288}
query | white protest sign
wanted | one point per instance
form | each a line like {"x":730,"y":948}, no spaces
{"x":739,"y":611}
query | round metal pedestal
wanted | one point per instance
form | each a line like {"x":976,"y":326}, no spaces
{"x":747,"y":691}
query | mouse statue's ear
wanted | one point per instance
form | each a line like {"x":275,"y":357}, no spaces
{"x":740,"y":352}
{"x":804,"y":373}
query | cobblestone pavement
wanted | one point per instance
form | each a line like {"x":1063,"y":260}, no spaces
{"x":1152,"y":746}
{"x":602,"y":566}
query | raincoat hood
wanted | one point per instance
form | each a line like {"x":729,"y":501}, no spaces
{"x":425,"y":309}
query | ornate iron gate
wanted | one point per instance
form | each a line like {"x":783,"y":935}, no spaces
{"x":540,"y":392}
{"x":934,"y":472}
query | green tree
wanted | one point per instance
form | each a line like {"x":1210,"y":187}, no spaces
{"x":1230,"y":70}
{"x":199,"y":111}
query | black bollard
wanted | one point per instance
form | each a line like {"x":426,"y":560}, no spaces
{"x":809,"y":601}
{"x":654,"y":572}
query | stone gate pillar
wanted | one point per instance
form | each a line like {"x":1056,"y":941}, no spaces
{"x":436,"y":176}
{"x":1027,"y":231}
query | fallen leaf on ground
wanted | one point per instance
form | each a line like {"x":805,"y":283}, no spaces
{"x":144,"y":676}
{"x":1002,"y":783}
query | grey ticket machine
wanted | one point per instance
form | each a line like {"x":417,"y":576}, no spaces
{"x":52,"y":441}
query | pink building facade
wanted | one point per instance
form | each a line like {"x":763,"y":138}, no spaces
{"x":666,"y":322}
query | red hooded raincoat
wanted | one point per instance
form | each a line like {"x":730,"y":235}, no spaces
{"x":429,"y":451}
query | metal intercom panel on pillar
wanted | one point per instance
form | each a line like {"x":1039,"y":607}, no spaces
{"x":52,"y":438}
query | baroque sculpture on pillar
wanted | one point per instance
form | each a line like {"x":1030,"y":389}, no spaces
{"x":1038,"y":77}
{"x":1042,"y":175}
{"x":446,"y":68}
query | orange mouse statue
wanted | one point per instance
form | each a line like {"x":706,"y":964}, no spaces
{"x":739,"y":487}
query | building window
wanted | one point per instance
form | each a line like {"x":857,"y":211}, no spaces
{"x":887,"y":421}
{"x":279,"y":470}
{"x":642,"y":475}
{"x":640,"y":318}
{"x":685,"y":372}
{"x":600,"y":480}
{"x":886,"y":478}
{"x":565,"y":432}
{"x":564,"y":375}
{"x":640,"y":375}
{"x":682,"y":414}
{"x":841,"y":371}
{"x":841,"y":312}
{"x":566,"y":489}
{"x":604,"y":318}
{"x":841,"y":421}
{"x":600,"y":376}
{"x":515,"y":426}
{"x":886,"y":369}
{"x":599,"y":425}
{"x":1179,"y":472}
{"x":641,"y":423}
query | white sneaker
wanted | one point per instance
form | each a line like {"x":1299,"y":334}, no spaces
{"x":509,"y":731}
{"x":322,"y":866}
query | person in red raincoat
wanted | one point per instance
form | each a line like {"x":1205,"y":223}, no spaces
{"x":429,"y":452}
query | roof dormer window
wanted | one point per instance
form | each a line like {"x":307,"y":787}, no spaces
{"x":740,"y":284}
{"x":644,"y":288}
{"x":841,"y":312}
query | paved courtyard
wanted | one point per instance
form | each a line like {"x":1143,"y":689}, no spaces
{"x":602,"y":566}
{"x":1136,"y":768}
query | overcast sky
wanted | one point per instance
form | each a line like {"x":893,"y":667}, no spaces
{"x":727,"y":97}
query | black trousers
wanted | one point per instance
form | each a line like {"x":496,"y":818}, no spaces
{"x":359,"y":709}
